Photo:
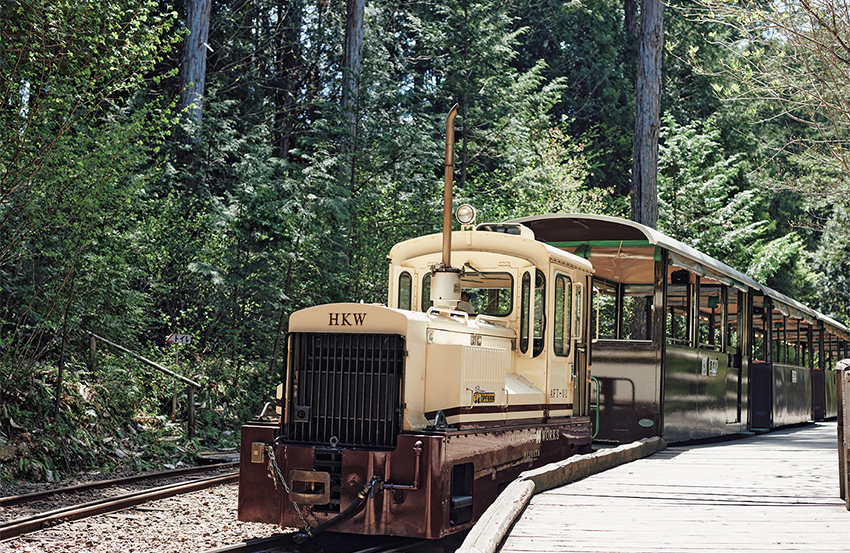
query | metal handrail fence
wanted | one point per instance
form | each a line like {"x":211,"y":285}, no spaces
{"x":191,"y":384}
{"x":842,"y":374}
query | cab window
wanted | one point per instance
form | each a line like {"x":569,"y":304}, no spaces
{"x":405,"y":285}
{"x":488,"y":293}
{"x":563,"y":314}
{"x":539,"y":312}
{"x":525,"y":302}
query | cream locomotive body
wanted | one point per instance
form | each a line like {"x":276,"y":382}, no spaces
{"x":408,"y":419}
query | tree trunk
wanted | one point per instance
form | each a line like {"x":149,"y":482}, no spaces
{"x":351,"y":64}
{"x":61,"y":364}
{"x":648,"y":114}
{"x":288,"y":69}
{"x":630,"y":17}
{"x":193,"y":66}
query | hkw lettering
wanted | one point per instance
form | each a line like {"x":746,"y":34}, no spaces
{"x":347,"y":319}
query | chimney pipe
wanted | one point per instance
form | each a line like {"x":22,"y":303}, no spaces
{"x":447,"y":188}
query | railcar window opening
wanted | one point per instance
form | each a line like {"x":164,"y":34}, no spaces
{"x":732,"y":318}
{"x":835,"y":349}
{"x":636,"y":312}
{"x":561,"y":341}
{"x":805,"y":351}
{"x":711,"y":312}
{"x":405,"y":289}
{"x":759,"y":334}
{"x":781,"y":345}
{"x":817,"y":336}
{"x":831,"y":347}
{"x":624,"y":311}
{"x":791,"y":341}
{"x":605,"y":301}
{"x":838,"y":350}
{"x":785,"y":351}
{"x":678,"y":313}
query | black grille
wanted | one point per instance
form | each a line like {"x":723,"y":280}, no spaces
{"x":330,"y":461}
{"x":346,"y":389}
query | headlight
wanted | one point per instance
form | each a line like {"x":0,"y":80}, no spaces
{"x":465,"y":214}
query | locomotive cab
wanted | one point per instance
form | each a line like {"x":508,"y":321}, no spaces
{"x":521,"y":309}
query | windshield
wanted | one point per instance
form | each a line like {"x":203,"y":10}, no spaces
{"x":482,"y":293}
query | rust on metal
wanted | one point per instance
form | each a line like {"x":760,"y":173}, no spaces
{"x":309,"y":487}
{"x":448,"y":180}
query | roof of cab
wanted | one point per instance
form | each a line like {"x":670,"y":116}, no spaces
{"x":536,"y":252}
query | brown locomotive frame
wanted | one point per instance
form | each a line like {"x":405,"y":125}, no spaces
{"x":420,"y":507}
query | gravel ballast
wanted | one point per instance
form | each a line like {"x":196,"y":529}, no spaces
{"x":182,"y":524}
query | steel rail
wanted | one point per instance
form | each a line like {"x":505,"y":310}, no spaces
{"x":276,"y":540}
{"x":26,"y":498}
{"x":31,"y":524}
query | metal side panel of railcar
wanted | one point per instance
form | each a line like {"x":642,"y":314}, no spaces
{"x":792,"y":395}
{"x":781,"y":395}
{"x":701,"y":394}
{"x":830,"y":394}
{"x":628,"y":377}
{"x":824,"y":405}
{"x":696,"y":395}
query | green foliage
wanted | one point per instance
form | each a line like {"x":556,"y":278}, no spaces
{"x":707,"y":199}
{"x":832,"y":263}
{"x":586,"y":46}
{"x":790,"y":56}
{"x":704,"y":198}
{"x":68,"y":143}
{"x":111,"y":222}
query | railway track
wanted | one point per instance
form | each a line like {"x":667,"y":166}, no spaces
{"x":30,"y":523}
{"x":279,"y":541}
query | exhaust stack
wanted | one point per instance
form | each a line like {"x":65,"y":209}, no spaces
{"x":448,"y":182}
{"x":445,"y":279}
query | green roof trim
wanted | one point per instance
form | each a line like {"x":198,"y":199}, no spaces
{"x":602,"y":244}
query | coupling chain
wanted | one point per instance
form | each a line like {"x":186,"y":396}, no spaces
{"x":275,"y":475}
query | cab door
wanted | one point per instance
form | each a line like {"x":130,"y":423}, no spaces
{"x":563,"y":369}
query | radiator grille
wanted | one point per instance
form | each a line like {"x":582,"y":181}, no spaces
{"x":346,"y":389}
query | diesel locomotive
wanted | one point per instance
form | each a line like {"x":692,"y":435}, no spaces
{"x":408,"y":419}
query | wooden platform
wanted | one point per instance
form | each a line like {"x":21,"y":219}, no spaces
{"x":772,"y":492}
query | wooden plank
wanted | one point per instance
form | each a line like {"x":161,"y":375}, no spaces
{"x":774,"y":492}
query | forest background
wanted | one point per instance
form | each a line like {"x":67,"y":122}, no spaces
{"x":124,"y":215}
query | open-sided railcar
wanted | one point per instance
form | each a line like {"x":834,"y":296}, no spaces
{"x":686,"y":347}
